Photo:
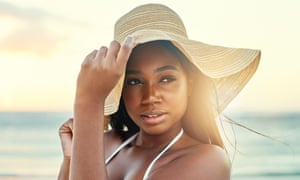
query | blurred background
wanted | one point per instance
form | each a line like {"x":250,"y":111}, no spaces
{"x":42,"y":45}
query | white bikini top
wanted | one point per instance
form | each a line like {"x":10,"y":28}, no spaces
{"x":129,"y":140}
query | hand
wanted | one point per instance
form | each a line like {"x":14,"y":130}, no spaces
{"x":66,"y":134}
{"x":101,"y":70}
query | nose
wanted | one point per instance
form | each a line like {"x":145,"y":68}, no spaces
{"x":151,"y":94}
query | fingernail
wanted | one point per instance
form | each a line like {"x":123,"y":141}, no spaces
{"x":129,"y":41}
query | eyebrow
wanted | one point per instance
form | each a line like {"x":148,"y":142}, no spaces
{"x":164,"y":68}
{"x":160,"y":69}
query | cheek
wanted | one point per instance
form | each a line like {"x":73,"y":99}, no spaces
{"x":176,"y":98}
{"x":131,"y":101}
{"x":131,"y":97}
{"x":179,"y":95}
{"x":179,"y":89}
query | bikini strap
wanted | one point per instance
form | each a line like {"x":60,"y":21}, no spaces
{"x":175,"y":139}
{"x":148,"y":170}
{"x":125,"y":143}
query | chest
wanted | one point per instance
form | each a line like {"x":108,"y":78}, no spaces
{"x":131,"y":163}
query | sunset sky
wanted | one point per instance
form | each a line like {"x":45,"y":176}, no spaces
{"x":42,"y":44}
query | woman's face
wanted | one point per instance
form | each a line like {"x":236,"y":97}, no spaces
{"x":155,"y":91}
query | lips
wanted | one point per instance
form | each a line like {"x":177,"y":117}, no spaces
{"x":153,"y":117}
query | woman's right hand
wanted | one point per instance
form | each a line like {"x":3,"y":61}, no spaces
{"x":101,"y":70}
{"x":66,"y":134}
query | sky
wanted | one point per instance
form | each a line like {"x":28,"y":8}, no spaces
{"x":42,"y":44}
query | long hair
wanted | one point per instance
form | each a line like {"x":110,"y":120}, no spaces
{"x":199,"y":120}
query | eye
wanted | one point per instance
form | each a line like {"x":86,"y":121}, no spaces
{"x":167,"y":79}
{"x":133,"y":82}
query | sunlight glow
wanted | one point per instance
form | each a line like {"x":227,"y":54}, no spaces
{"x":8,"y":24}
{"x":42,"y":46}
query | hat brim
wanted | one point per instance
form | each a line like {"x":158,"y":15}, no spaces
{"x":229,"y":68}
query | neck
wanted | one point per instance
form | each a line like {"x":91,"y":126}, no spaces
{"x":152,"y":141}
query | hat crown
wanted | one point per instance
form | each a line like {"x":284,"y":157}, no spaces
{"x":149,"y":17}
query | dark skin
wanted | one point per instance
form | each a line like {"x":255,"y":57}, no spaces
{"x":155,"y":93}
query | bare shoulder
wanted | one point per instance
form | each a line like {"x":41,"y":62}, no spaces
{"x":111,"y":141}
{"x":211,"y":162}
{"x":201,"y":162}
{"x":111,"y":135}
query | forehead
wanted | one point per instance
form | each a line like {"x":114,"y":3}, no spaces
{"x":152,"y":54}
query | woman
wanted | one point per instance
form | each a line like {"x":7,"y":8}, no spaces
{"x":162,"y":93}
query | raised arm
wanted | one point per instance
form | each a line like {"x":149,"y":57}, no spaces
{"x":87,"y":160}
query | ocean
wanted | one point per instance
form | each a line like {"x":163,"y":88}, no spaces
{"x":30,"y":147}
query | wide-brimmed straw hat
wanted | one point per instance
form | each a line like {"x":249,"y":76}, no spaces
{"x":229,"y":68}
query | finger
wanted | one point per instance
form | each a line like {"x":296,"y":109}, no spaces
{"x":100,"y":56}
{"x":113,"y":51}
{"x":101,"y":53}
{"x":89,"y":57}
{"x":125,"y":51}
{"x":70,"y":123}
{"x":67,"y":126}
{"x":65,"y":129}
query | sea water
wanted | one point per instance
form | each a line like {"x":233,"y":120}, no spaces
{"x":30,"y":147}
{"x":275,"y":157}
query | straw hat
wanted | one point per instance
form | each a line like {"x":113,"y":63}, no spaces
{"x":229,"y":68}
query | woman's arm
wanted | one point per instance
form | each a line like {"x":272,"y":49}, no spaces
{"x":66,"y":134}
{"x":87,"y":160}
{"x":88,"y":153}
{"x":64,"y":171}
{"x":111,"y":142}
